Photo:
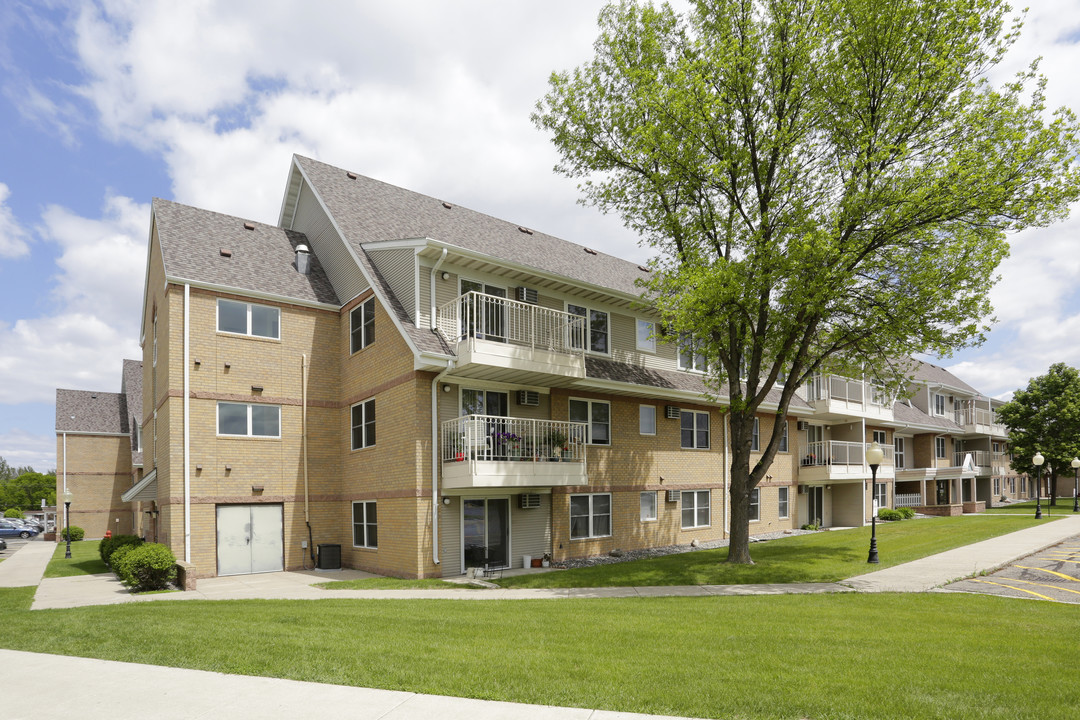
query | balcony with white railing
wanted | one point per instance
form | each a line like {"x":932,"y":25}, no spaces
{"x":982,"y":460}
{"x":501,"y":339}
{"x":487,"y":451}
{"x":981,"y":420}
{"x":841,"y":396}
{"x":837,"y":461}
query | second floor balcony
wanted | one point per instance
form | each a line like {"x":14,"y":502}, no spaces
{"x":980,"y":420}
{"x":985,"y":462}
{"x":837,"y":460}
{"x":498,"y":338}
{"x":488,"y":451}
{"x":834,"y":395}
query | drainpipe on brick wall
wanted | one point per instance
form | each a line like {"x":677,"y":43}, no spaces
{"x":303,"y":425}
{"x":435,"y":462}
{"x":187,"y":423}
{"x":65,"y":477}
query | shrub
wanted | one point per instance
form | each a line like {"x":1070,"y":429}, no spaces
{"x":150,"y":566}
{"x":117,"y":556}
{"x":108,"y":546}
{"x":906,"y":512}
{"x":77,"y":533}
{"x":889,"y":514}
{"x":811,"y":526}
{"x":13,"y":513}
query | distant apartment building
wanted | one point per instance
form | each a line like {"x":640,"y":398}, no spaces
{"x":432,"y":389}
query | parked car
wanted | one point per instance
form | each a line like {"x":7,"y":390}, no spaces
{"x":11,"y":529}
{"x":3,"y":544}
{"x":34,"y":523}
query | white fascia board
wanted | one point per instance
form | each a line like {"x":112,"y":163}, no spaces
{"x":418,"y":243}
{"x":91,"y":432}
{"x":271,"y":297}
{"x":359,"y":265}
{"x":146,"y":276}
{"x":431,"y":361}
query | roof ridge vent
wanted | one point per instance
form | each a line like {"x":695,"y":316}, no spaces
{"x":248,"y":225}
{"x":448,"y":206}
{"x":525,"y":230}
{"x":351,"y":175}
{"x":589,"y":250}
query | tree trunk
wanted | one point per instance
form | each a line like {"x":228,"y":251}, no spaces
{"x":739,"y":537}
{"x":1052,"y":492}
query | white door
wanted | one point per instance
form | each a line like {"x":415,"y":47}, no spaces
{"x":249,"y":539}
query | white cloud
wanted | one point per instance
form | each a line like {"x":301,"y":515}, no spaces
{"x":13,"y":238}
{"x":20,"y":449}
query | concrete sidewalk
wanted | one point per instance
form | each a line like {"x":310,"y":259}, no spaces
{"x":26,"y":565}
{"x":91,"y":689}
{"x":934,"y":571}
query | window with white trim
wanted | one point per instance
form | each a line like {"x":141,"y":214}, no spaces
{"x":880,"y":437}
{"x":695,"y":509}
{"x":596,"y":328}
{"x":783,"y":439}
{"x":694,"y":427}
{"x":590,"y":516}
{"x":939,"y":448}
{"x":365,"y":524}
{"x":939,"y":405}
{"x":646,"y":335}
{"x":647,"y":419}
{"x":997,"y":486}
{"x":362,"y":325}
{"x":596,"y":414}
{"x":755,"y":504}
{"x":898,"y":452}
{"x":243,"y":318}
{"x":690,"y":356}
{"x":755,"y":437}
{"x":881,"y":494}
{"x":363,"y":424}
{"x":648,"y":505}
{"x":782,"y":502}
{"x":248,"y":420}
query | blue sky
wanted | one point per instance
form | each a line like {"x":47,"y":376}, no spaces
{"x":107,"y":104}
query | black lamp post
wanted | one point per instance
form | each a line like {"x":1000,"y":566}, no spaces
{"x":67,"y":521}
{"x":874,"y":456}
{"x":1038,"y":461}
{"x":1076,"y":484}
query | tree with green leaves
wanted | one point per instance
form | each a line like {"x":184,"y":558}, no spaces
{"x":26,"y":491}
{"x":1045,"y":418}
{"x":825,"y":183}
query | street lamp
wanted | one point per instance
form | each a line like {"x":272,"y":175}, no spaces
{"x":1076,"y":484}
{"x":874,"y":456}
{"x":1038,"y":461}
{"x":67,"y":519}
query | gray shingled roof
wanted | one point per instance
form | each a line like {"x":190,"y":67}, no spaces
{"x":908,"y":414}
{"x":925,"y":372}
{"x":263,"y":259}
{"x":368,"y":211}
{"x":90,"y":412}
{"x":131,"y":387}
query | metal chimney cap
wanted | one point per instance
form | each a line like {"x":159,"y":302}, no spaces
{"x":302,"y":248}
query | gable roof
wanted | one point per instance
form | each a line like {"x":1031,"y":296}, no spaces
{"x":86,"y":411}
{"x":262,"y":259}
{"x":934,"y":375}
{"x":910,"y":415}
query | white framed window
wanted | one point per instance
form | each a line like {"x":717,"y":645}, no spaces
{"x":363,"y":424}
{"x":647,"y":419}
{"x":690,"y":356}
{"x":590,"y":516}
{"x":939,"y":447}
{"x":997,"y":486}
{"x":648,"y":505}
{"x":597,"y":330}
{"x":939,"y":405}
{"x":881,"y":495}
{"x":695,"y":509}
{"x":646,"y":335}
{"x":755,"y":504}
{"x":783,"y":439}
{"x":880,"y":437}
{"x":898,"y":452}
{"x":248,"y":420}
{"x":242,"y":318}
{"x":597,"y":416}
{"x":365,"y":524}
{"x":782,"y":502}
{"x":362,"y":325}
{"x":755,"y":437}
{"x":694,"y":427}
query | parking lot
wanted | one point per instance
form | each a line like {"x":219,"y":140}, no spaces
{"x":1053,"y":574}
{"x":14,"y":543}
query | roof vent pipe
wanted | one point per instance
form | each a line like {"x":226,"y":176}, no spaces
{"x":303,"y":259}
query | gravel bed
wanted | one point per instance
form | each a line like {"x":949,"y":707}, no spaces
{"x":627,"y":555}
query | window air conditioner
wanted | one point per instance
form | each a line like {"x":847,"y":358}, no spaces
{"x":671,"y":412}
{"x":528,"y":397}
{"x":673,"y":495}
{"x":801,"y":425}
{"x":527,"y":295}
{"x":529,"y":500}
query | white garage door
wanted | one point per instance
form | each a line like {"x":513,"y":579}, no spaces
{"x":249,"y":539}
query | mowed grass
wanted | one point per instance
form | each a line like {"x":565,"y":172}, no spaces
{"x":85,"y":560}
{"x":818,"y":557}
{"x":820,"y":656}
{"x":1064,"y":507}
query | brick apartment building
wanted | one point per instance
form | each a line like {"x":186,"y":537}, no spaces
{"x":434,"y":389}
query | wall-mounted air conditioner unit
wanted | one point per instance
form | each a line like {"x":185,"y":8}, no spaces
{"x":529,"y":501}
{"x":801,"y":424}
{"x":671,"y":412}
{"x":530,"y":398}
{"x":527,"y":295}
{"x":673,"y":495}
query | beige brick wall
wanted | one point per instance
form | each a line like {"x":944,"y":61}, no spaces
{"x":98,"y":471}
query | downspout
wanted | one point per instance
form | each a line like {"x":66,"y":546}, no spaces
{"x":435,"y":420}
{"x":304,"y":433}
{"x":187,"y":423}
{"x":65,"y":476}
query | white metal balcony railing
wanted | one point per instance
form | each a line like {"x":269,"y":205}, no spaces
{"x":488,"y":317}
{"x":838,"y":452}
{"x":967,"y":415}
{"x":980,"y":458}
{"x":491,"y":438}
{"x":835,"y":387}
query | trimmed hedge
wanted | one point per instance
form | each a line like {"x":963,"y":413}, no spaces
{"x":906,"y":512}
{"x":150,"y":566}
{"x":889,"y":514}
{"x":108,"y":546}
{"x":77,"y":533}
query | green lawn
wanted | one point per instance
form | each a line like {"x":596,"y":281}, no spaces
{"x":1064,"y":507}
{"x":85,"y":560}
{"x":818,"y":557}
{"x":821,"y":656}
{"x":389,"y":583}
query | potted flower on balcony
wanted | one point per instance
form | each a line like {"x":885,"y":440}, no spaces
{"x":510,"y":443}
{"x":558,"y":440}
